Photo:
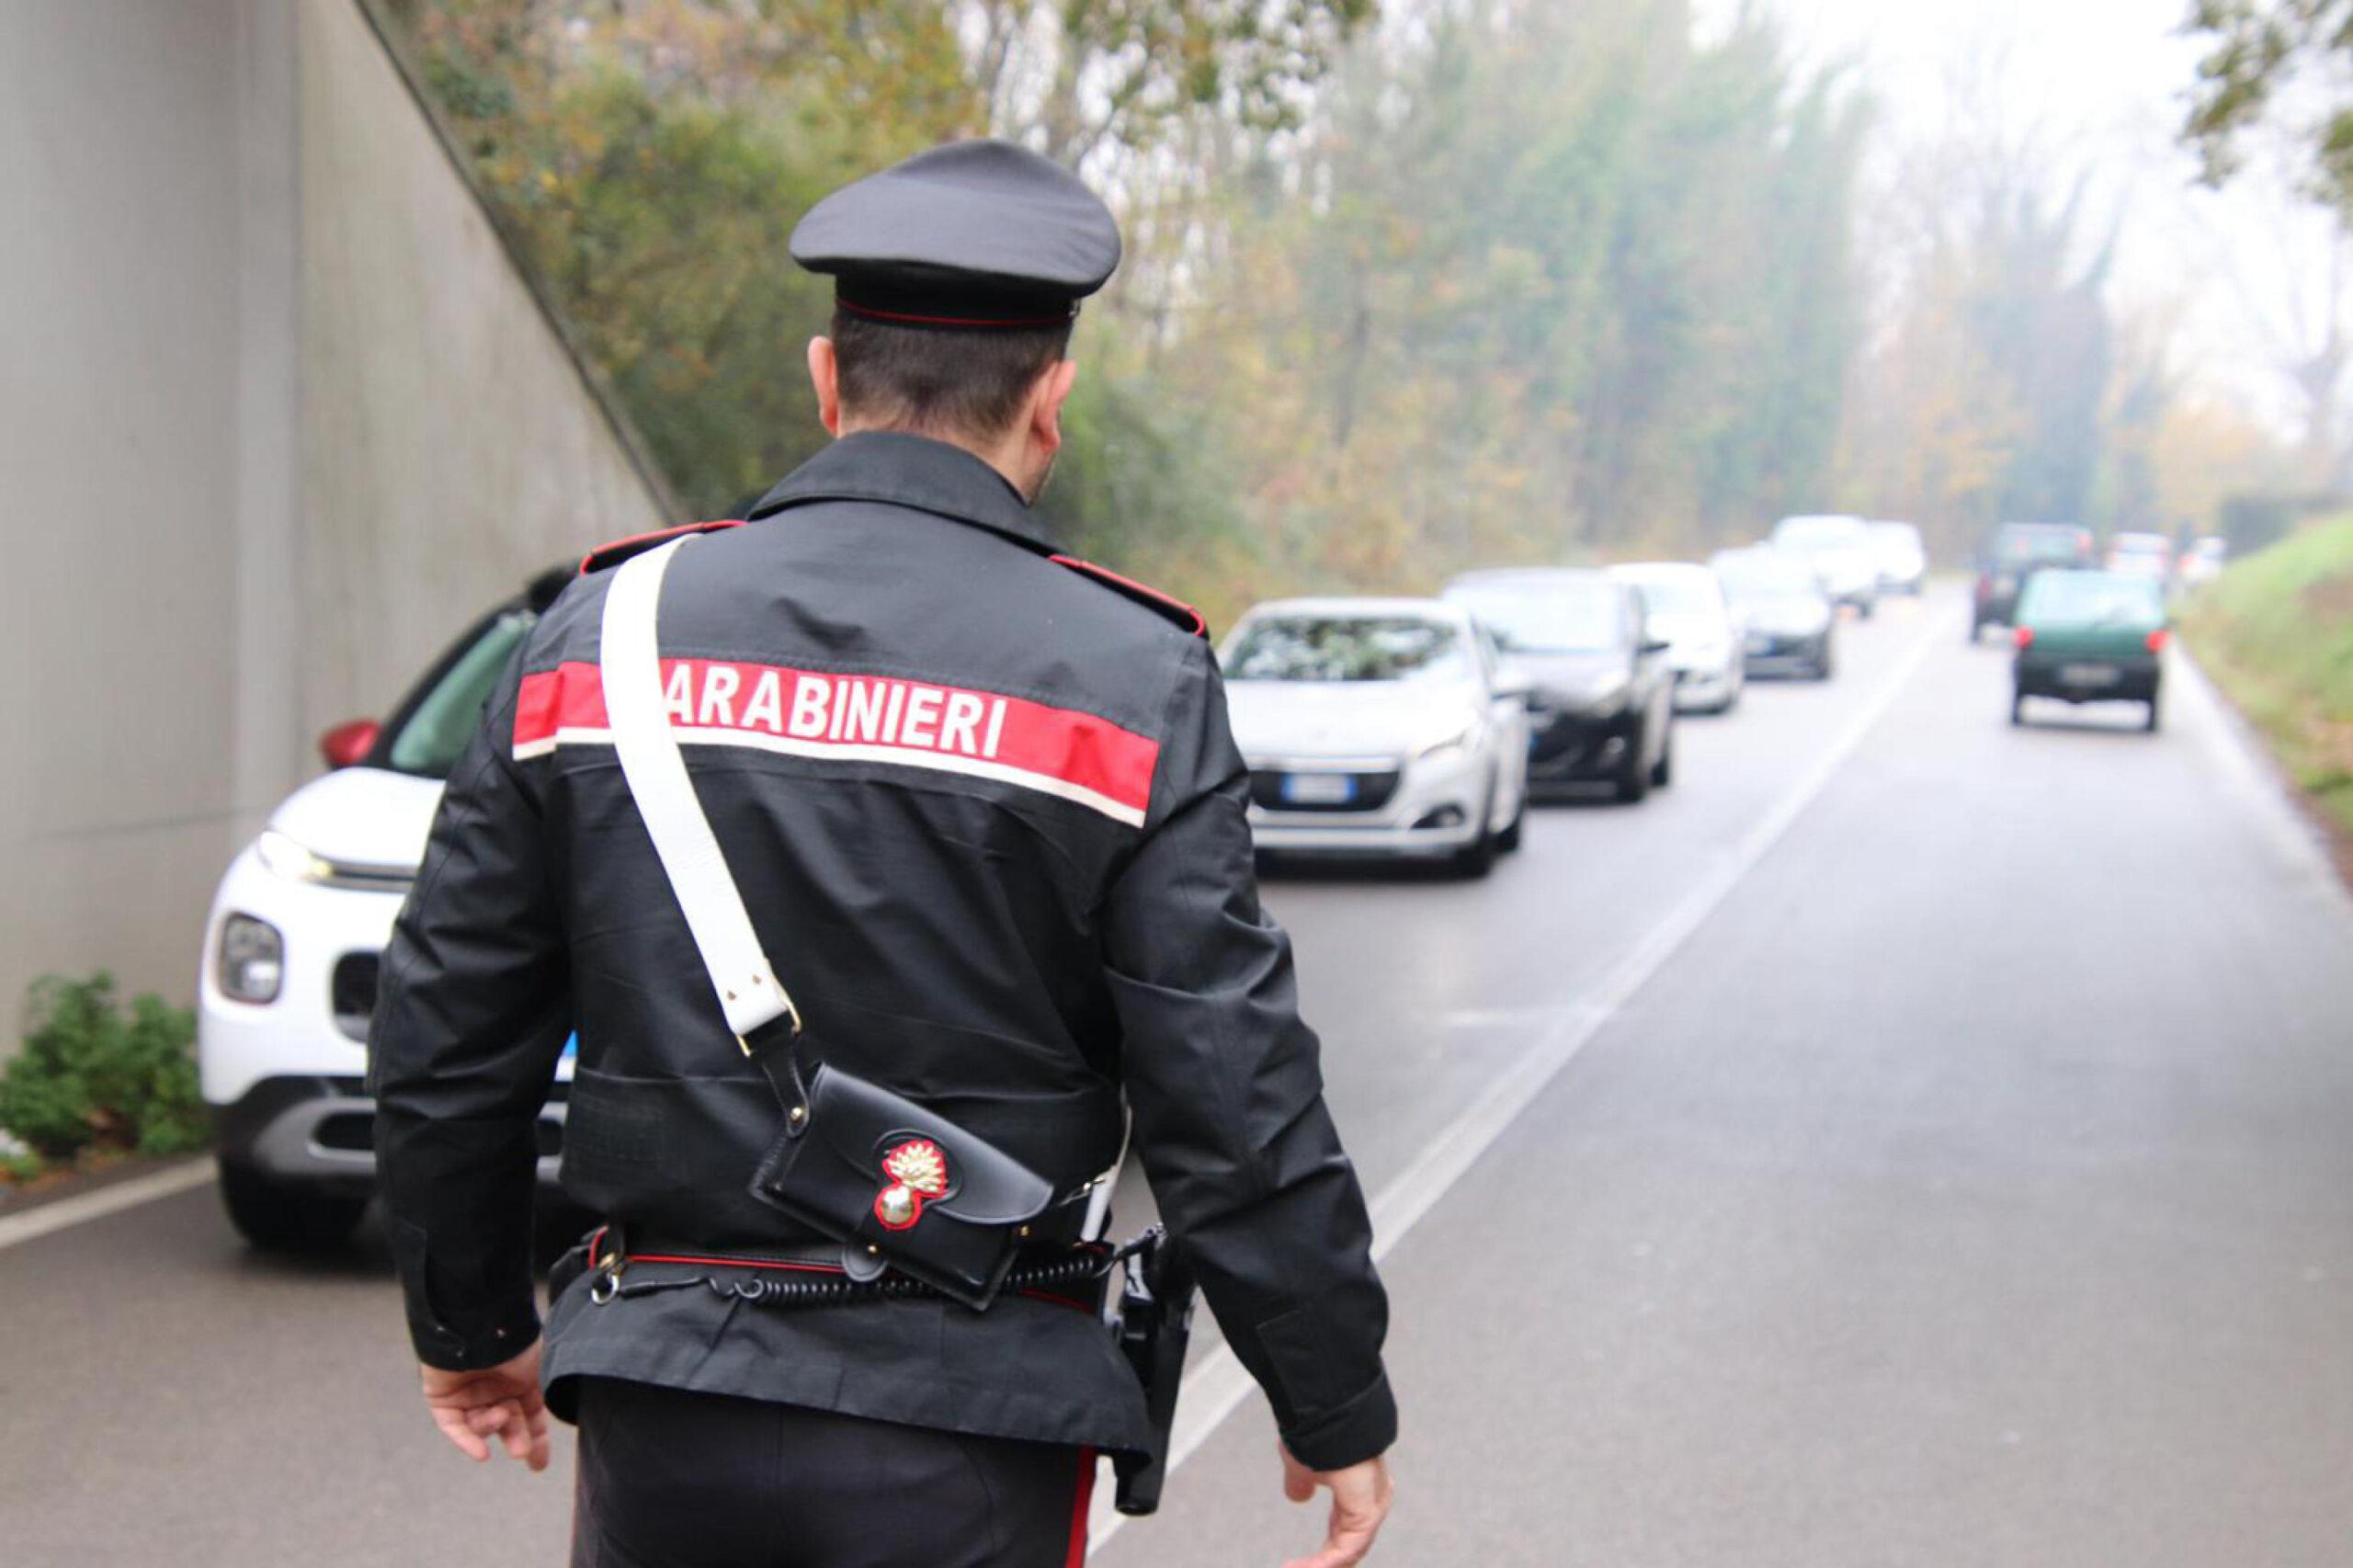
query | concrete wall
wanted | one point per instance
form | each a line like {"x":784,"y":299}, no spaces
{"x":451,"y":448}
{"x":120,"y":247}
{"x":277,"y":415}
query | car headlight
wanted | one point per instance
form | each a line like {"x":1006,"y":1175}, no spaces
{"x":251,"y":964}
{"x":289,"y":859}
{"x":1450,"y":741}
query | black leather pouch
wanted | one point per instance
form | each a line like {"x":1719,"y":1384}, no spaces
{"x":899,"y":1187}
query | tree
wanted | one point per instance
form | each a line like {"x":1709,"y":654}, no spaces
{"x":1077,"y":76}
{"x":2261,"y":50}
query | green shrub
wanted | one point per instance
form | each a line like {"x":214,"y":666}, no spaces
{"x":94,"y":1077}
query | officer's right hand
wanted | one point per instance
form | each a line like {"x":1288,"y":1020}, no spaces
{"x":1361,"y":1496}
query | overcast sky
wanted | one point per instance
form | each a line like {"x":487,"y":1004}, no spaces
{"x":2103,"y":84}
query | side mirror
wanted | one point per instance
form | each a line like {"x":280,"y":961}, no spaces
{"x":1655,"y":644}
{"x":1514,"y":685}
{"x":349,"y":743}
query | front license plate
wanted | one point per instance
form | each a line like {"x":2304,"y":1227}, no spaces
{"x":1319,"y":789}
{"x":2089,"y":674}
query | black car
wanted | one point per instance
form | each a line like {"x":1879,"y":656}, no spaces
{"x":2016,"y":552}
{"x":1601,"y":704}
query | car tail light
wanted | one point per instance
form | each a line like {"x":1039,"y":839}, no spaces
{"x":2023,"y":636}
{"x":2158,"y":639}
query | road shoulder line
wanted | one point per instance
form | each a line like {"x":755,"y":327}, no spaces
{"x":1218,"y":1386}
{"x":33,"y":1223}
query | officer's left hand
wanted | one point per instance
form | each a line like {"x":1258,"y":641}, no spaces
{"x":501,"y":1401}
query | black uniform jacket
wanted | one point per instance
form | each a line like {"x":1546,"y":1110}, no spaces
{"x":987,"y":816}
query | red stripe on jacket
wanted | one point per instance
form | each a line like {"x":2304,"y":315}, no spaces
{"x":817,"y":712}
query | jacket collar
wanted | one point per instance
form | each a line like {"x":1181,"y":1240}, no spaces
{"x":911,"y":471}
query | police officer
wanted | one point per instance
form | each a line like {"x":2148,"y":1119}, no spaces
{"x":986,"y":817}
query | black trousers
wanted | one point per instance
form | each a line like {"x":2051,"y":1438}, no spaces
{"x":673,"y":1478}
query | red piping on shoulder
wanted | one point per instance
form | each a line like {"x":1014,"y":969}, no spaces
{"x":1200,"y":623}
{"x":636,"y":542}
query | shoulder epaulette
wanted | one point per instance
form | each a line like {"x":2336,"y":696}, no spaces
{"x":1168,"y":608}
{"x":621,"y":550}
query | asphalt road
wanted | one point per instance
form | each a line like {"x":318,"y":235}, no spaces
{"x":1906,"y":1140}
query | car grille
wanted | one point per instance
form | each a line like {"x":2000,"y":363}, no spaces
{"x":1374,"y":791}
{"x":351,"y":992}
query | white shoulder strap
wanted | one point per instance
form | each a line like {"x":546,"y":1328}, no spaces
{"x":631,"y":660}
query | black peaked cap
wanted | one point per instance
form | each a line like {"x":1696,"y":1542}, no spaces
{"x":979,"y":233}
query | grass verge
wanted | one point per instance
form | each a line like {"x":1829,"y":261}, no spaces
{"x":2275,"y":632}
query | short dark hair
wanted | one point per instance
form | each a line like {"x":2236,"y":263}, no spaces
{"x":942,"y":380}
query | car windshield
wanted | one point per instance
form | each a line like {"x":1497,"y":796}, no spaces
{"x":2021,"y":544}
{"x":443,"y":717}
{"x":1566,"y":615}
{"x":1675,"y":593}
{"x":1760,"y":575}
{"x":1348,"y":648}
{"x":2138,"y":544}
{"x":1819,"y":533}
{"x":2093,"y":598}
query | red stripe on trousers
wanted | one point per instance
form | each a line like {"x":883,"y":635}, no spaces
{"x":1077,"y":1558}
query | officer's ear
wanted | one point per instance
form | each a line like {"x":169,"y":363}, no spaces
{"x":824,"y":375}
{"x":1046,"y":400}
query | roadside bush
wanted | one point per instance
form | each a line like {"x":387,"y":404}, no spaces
{"x":94,"y":1077}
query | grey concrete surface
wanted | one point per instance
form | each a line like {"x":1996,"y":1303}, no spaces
{"x":1972,"y":1187}
{"x":274,"y":409}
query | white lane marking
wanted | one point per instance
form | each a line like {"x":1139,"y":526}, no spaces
{"x":57,"y":1216}
{"x":1213,"y":1390}
{"x":2240,"y":755}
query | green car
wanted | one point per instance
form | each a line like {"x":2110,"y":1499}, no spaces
{"x":2089,"y":637}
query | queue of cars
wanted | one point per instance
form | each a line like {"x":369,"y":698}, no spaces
{"x":1415,"y":727}
{"x":2086,"y":627}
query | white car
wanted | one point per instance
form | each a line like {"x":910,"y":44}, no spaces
{"x":1839,"y":549}
{"x":1685,"y":604}
{"x":2141,"y":555}
{"x":1379,"y":726}
{"x":291,"y":947}
{"x":1902,"y":559}
{"x":2203,"y":561}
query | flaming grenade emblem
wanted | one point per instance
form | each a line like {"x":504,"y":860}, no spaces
{"x":918,"y":1170}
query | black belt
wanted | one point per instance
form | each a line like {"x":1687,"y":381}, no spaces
{"x":637,"y":1265}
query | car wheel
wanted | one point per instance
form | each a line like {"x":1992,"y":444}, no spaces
{"x":1823,"y":666}
{"x":1635,"y":774}
{"x":276,"y":1216}
{"x":1509,"y":840}
{"x":1476,"y":858}
{"x":1663,"y":770}
{"x":1870,"y":608}
{"x":2018,"y":707}
{"x":1976,"y":630}
{"x":2152,"y":723}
